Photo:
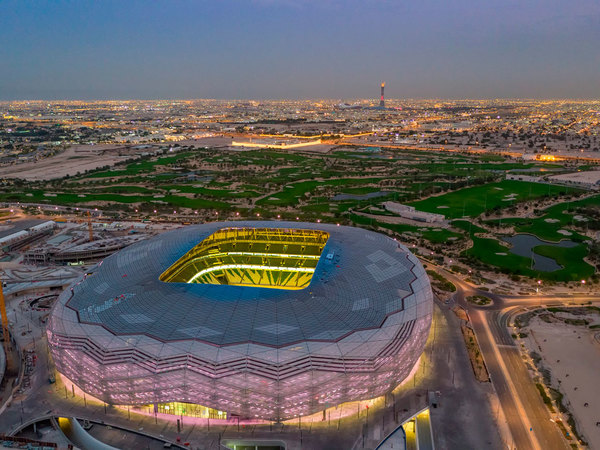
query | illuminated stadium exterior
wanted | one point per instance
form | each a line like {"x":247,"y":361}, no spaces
{"x":264,"y":320}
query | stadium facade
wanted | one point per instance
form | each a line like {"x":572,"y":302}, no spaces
{"x":267,"y":320}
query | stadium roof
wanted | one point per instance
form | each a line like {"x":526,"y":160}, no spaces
{"x":360,"y":279}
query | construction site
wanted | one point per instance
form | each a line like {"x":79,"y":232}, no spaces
{"x":40,"y":256}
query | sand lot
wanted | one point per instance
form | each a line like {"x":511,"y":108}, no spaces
{"x":80,"y":158}
{"x":569,"y":349}
{"x":77,"y":158}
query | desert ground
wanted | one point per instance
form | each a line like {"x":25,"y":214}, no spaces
{"x":572,"y":352}
{"x":77,"y":158}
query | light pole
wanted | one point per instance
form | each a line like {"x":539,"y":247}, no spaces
{"x":367,"y":420}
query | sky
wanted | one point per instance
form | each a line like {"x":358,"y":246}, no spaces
{"x":306,"y":49}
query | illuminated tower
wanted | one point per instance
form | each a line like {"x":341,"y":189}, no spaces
{"x":382,"y":101}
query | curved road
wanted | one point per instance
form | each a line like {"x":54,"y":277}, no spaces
{"x":528,"y":418}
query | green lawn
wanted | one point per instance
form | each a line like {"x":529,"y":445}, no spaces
{"x":195,"y":203}
{"x":555,"y":218}
{"x":213,"y":193}
{"x":361,"y":190}
{"x":457,"y":167}
{"x":73,"y":199}
{"x":259,"y":157}
{"x":436,"y":235}
{"x":316,"y":208}
{"x":292,"y":192}
{"x":472,"y":201}
{"x":67,"y":199}
{"x":120,"y":189}
{"x":141,"y":166}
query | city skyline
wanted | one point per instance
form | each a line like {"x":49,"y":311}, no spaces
{"x":303,"y":50}
{"x":300,"y":224}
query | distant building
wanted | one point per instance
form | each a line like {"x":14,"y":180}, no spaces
{"x":528,"y":178}
{"x":589,"y":180}
{"x":276,"y":143}
{"x":541,"y":157}
{"x":409,"y":212}
{"x":584,"y":180}
{"x":80,"y":250}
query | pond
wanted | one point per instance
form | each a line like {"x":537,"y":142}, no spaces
{"x":523,"y":245}
{"x":360,"y":196}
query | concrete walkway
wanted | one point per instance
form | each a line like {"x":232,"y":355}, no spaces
{"x":73,"y":431}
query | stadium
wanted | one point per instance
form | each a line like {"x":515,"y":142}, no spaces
{"x":268,"y":320}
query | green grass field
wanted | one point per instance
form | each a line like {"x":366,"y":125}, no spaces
{"x":434,"y":235}
{"x":554,"y":218}
{"x":472,"y":201}
{"x":74,"y":199}
{"x":292,"y":192}
{"x":206,"y":192}
{"x":120,"y":189}
{"x":137,"y":167}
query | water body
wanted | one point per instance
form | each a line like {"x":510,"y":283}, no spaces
{"x":368,"y":149}
{"x":522,"y":245}
{"x":376,"y":157}
{"x":361,"y":196}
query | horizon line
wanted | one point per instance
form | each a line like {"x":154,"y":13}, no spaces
{"x":305,"y":99}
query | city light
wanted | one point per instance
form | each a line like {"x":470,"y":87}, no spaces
{"x":339,"y":262}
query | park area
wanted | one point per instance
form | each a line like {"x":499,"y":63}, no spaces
{"x":344,"y":185}
{"x":473,"y":201}
{"x":497,"y":253}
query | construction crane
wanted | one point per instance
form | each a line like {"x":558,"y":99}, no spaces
{"x":5,"y":332}
{"x":90,"y":229}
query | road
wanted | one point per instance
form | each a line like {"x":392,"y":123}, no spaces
{"x":528,"y":418}
{"x":445,"y":368}
{"x":464,"y":399}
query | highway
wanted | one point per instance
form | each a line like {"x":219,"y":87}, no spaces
{"x":527,"y":416}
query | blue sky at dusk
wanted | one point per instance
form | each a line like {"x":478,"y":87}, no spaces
{"x":241,"y":49}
